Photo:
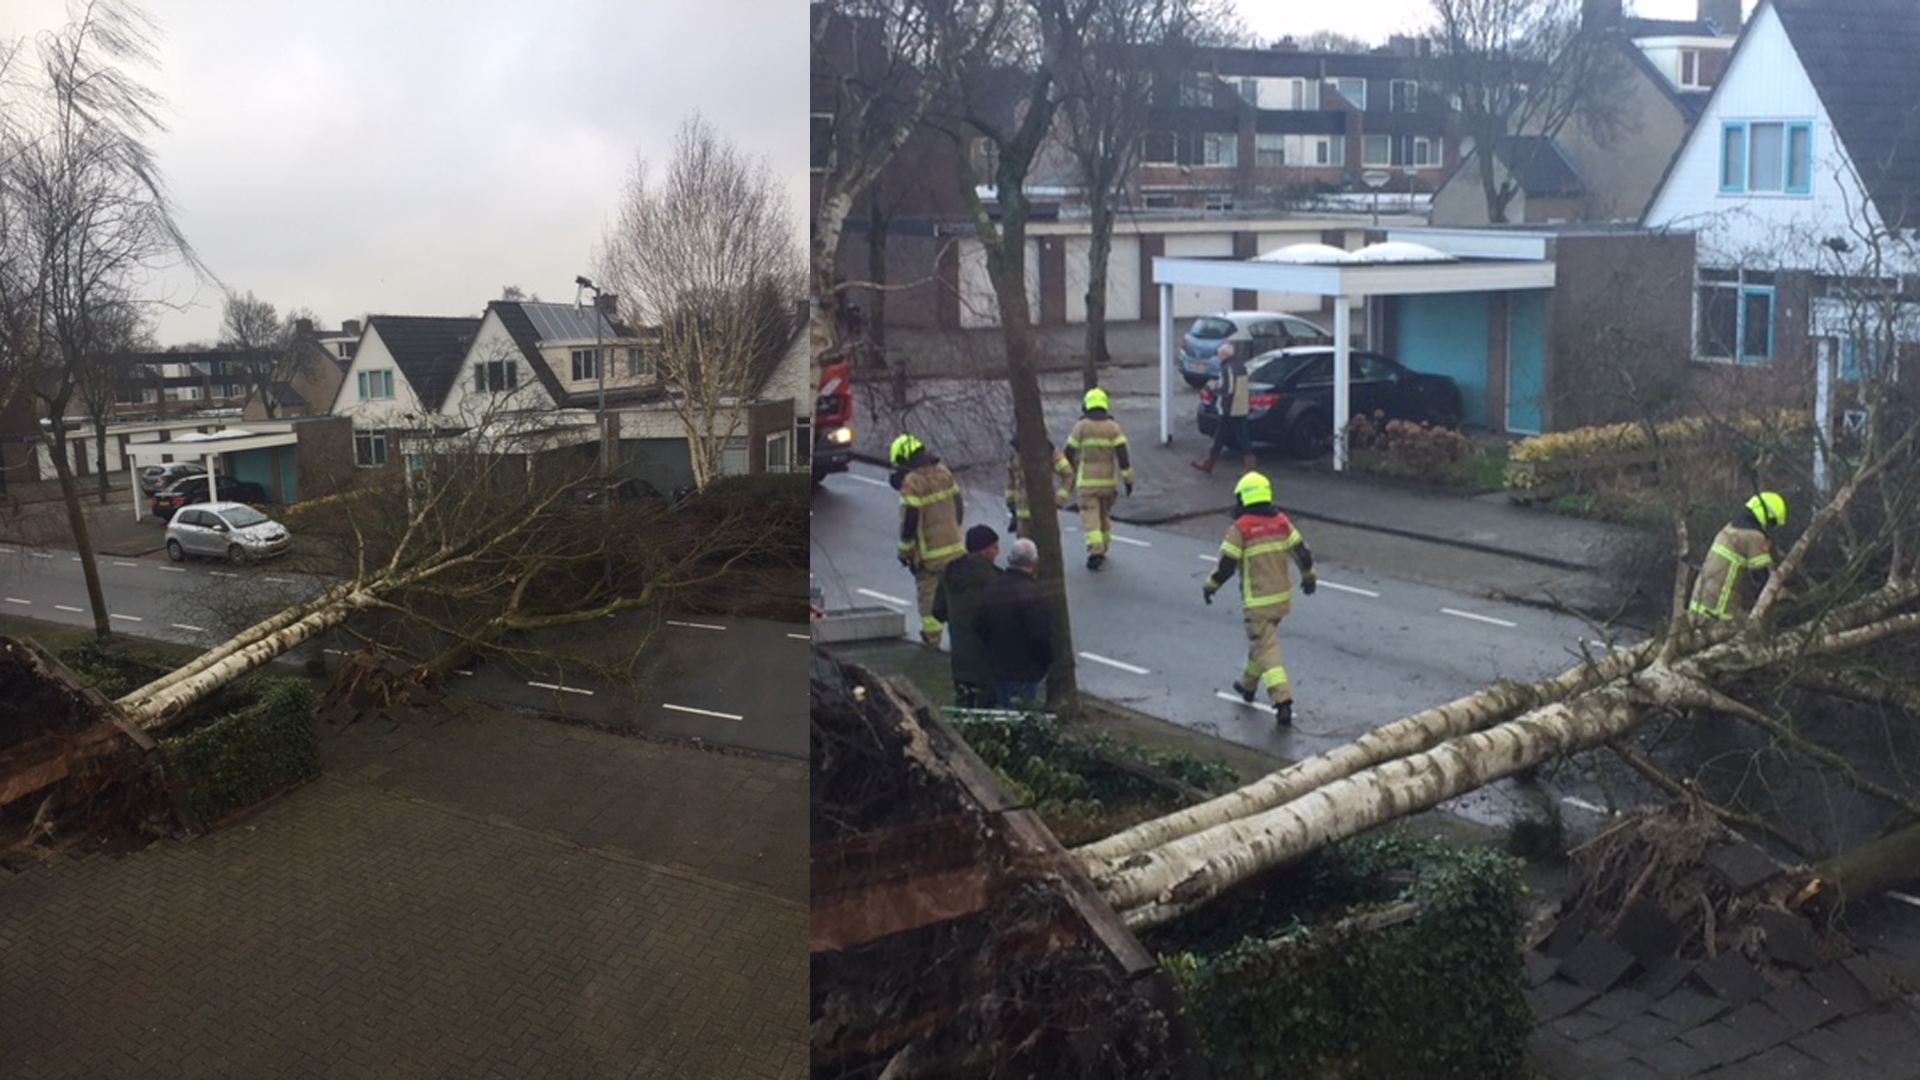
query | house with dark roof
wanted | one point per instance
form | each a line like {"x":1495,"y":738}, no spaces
{"x":308,"y":376}
{"x":1801,"y":185}
{"x":399,"y":379}
{"x":1605,"y":163}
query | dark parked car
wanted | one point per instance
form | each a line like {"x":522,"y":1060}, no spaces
{"x":623,"y":492}
{"x":193,"y":489}
{"x":155,"y":477}
{"x":1291,"y":397}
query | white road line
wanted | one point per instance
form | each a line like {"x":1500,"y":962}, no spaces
{"x":278,"y":580}
{"x":883,"y":597}
{"x":868,"y":480}
{"x":336,"y":652}
{"x":1478,"y":618}
{"x":1236,"y":699}
{"x":1354,"y":589}
{"x":222,"y":573}
{"x":119,"y":562}
{"x":701,"y":712}
{"x":1110,"y":662}
{"x":1210,"y":558}
{"x":40,"y":554}
{"x":462,"y":671}
{"x":801,"y":637}
{"x":188,"y":629}
{"x":562,"y":689}
{"x":7,"y":551}
{"x":75,"y":558}
{"x":1905,"y":898}
{"x":174,"y":569}
{"x":63,"y":607}
{"x":1599,"y":644}
{"x":129,"y":618}
{"x":1129,"y":540}
{"x":696,"y":625}
{"x":1583,"y":804}
{"x":17,"y":600}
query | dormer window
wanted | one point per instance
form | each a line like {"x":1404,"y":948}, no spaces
{"x":1354,"y":90}
{"x":1690,"y":70}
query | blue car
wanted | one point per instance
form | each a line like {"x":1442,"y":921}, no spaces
{"x":1253,"y":332}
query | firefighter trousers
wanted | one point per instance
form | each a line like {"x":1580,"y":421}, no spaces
{"x":1096,"y":519}
{"x":1265,"y":667}
{"x":926,"y":582}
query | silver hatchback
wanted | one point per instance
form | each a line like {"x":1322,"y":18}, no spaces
{"x":225,"y":530}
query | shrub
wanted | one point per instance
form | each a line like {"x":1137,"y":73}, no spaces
{"x":263,"y":747}
{"x":1540,"y":464}
{"x":1403,"y":448}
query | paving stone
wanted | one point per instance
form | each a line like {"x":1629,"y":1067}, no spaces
{"x":1566,"y":933}
{"x":1741,"y":866}
{"x":1662,"y":976}
{"x":1823,"y":1044}
{"x":1688,"y":1007}
{"x":1871,"y":977}
{"x":1645,"y":1031}
{"x":1622,"y":1004}
{"x":1782,"y":1063}
{"x":1883,"y":1039}
{"x":1603,"y":1050}
{"x":1720,"y":1042}
{"x":1645,"y":931}
{"x":1677,"y":1058}
{"x":1838,"y":986}
{"x":1582,"y":1025}
{"x":1790,"y":939}
{"x":1630,"y":1069}
{"x":1556,"y":998}
{"x":1731,"y":977}
{"x":1538,"y":967}
{"x":1801,"y":1005}
{"x":1757,"y":1022}
{"x":1596,"y":963}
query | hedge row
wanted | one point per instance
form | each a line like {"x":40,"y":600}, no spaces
{"x":261,"y":748}
{"x":1541,"y":460}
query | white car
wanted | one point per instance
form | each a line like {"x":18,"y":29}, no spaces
{"x":1251,"y":332}
{"x":232,"y":531}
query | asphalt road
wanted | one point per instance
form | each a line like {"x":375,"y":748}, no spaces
{"x":1368,"y":648}
{"x":732,"y":682}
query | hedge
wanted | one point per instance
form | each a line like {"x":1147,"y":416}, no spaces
{"x":1438,"y":994}
{"x":259,"y":749}
{"x":1540,"y":462}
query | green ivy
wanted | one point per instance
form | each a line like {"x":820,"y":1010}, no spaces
{"x":263,"y":746}
{"x":1061,"y":775}
{"x":1438,"y":995}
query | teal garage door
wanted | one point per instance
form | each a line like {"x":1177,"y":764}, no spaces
{"x":1526,"y":361}
{"x":1446,"y":334}
{"x":664,"y":463}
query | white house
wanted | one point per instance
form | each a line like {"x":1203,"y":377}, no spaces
{"x":399,"y":379}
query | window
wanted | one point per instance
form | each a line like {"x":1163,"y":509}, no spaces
{"x":1769,"y":156}
{"x":1376,"y":150}
{"x":1735,"y":316}
{"x":1354,"y":90}
{"x":639,"y":365}
{"x":1196,"y":91}
{"x":370,"y":449}
{"x":1159,"y":148}
{"x":1250,"y":91}
{"x":1424,"y":154}
{"x":733,"y":457}
{"x":1403,"y":95}
{"x":1218,"y":149}
{"x":376,"y":385}
{"x":822,"y":141}
{"x":1864,"y":356}
{"x":1330,"y":151}
{"x":1219,"y":200}
{"x":779,"y":451}
{"x":496,"y":375}
{"x":586,"y":365}
{"x":1690,"y":70}
{"x":346,"y":349}
{"x":1303,"y":94}
{"x":1269,"y":151}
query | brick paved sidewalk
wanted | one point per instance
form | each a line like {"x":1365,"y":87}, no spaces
{"x":483,"y":896}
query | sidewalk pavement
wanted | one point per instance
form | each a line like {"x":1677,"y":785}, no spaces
{"x":967,"y":422}
{"x":33,"y":515}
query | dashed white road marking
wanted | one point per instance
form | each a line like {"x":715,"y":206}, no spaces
{"x":278,"y":580}
{"x":75,"y":558}
{"x":336,"y":652}
{"x":1607,"y":645}
{"x":1905,"y":898}
{"x":188,"y":629}
{"x":1237,"y":700}
{"x":462,"y":671}
{"x":1129,"y":540}
{"x":1478,"y":618}
{"x":695,"y":625}
{"x":40,"y":554}
{"x":63,"y":607}
{"x":801,"y":637}
{"x":1576,"y":801}
{"x":701,"y":712}
{"x":868,"y":480}
{"x":561,"y":689}
{"x":1110,"y":662}
{"x":1354,"y":589}
{"x":222,"y":573}
{"x":1210,"y":558}
{"x":123,"y":562}
{"x":7,"y":551}
{"x":174,"y":569}
{"x":17,"y":600}
{"x":129,"y":618}
{"x":883,"y":597}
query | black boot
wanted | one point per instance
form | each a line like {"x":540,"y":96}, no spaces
{"x":1095,"y":560}
{"x":1283,"y":714}
{"x":1245,"y":692}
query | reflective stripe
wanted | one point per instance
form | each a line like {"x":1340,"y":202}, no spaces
{"x":1273,"y":677}
{"x":1116,"y":441}
{"x":1736,"y":564}
{"x":928,"y":500}
{"x":1266,"y":601}
{"x":1699,"y":608}
{"x":930,"y":625}
{"x":1096,"y":536}
{"x":1275,"y":547}
{"x":1094,"y":483}
{"x":1231,"y":550}
{"x":950,"y":549}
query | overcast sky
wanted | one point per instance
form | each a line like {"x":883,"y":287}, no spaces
{"x":1374,"y":20}
{"x":412,"y":157}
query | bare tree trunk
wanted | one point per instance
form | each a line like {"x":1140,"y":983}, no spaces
{"x":82,"y":539}
{"x":1099,"y":251}
{"x":100,"y":457}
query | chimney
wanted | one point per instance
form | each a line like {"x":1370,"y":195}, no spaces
{"x":303,"y":328}
{"x":608,"y":305}
{"x":350,"y":328}
{"x":1595,"y":14}
{"x":1723,"y":14}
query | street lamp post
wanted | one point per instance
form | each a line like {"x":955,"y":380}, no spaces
{"x":600,"y":371}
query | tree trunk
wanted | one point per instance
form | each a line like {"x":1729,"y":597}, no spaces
{"x":77,"y":523}
{"x":1099,"y":251}
{"x":100,"y":457}
{"x":155,"y":710}
{"x":876,"y":315}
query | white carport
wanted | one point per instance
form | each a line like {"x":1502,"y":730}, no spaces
{"x":1479,"y":262}
{"x":203,"y":446}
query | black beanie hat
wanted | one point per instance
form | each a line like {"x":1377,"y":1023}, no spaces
{"x":981,"y":537}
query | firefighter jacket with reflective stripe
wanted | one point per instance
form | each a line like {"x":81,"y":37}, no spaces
{"x":1723,"y":590}
{"x":930,"y":511}
{"x":1099,"y":448}
{"x":1263,"y":543}
{"x":1017,"y":487}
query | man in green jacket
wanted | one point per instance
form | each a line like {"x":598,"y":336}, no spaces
{"x":956,"y":602}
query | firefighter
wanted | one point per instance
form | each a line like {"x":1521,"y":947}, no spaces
{"x":1739,"y":562}
{"x":1018,"y":512}
{"x":1097,"y":451}
{"x":931,"y":510}
{"x":1259,"y":544}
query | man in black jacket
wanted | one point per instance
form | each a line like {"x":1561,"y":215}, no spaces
{"x":956,"y":602}
{"x":1018,"y":628}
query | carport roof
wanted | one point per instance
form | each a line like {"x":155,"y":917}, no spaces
{"x":1474,"y":266}
{"x":212,"y":442}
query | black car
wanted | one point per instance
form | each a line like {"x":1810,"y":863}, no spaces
{"x":193,"y":489}
{"x":1290,"y":401}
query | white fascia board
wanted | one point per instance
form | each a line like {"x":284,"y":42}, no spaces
{"x":1479,"y":243}
{"x":1356,"y":280}
{"x":1236,"y":274}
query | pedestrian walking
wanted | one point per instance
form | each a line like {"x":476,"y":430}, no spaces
{"x":1739,"y":562}
{"x":1261,"y":544}
{"x":1019,"y":514}
{"x":1018,"y":627}
{"x":963,"y":589}
{"x":1232,"y":400}
{"x":1097,"y":450}
{"x":931,"y":510}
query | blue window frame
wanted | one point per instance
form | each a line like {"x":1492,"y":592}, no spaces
{"x":1766,"y":157}
{"x":1866,"y":356}
{"x":1734,"y":316}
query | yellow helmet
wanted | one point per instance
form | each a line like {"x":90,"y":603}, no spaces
{"x":905,"y":447}
{"x":1768,"y":508}
{"x":1097,"y":399}
{"x":1253,"y":488}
